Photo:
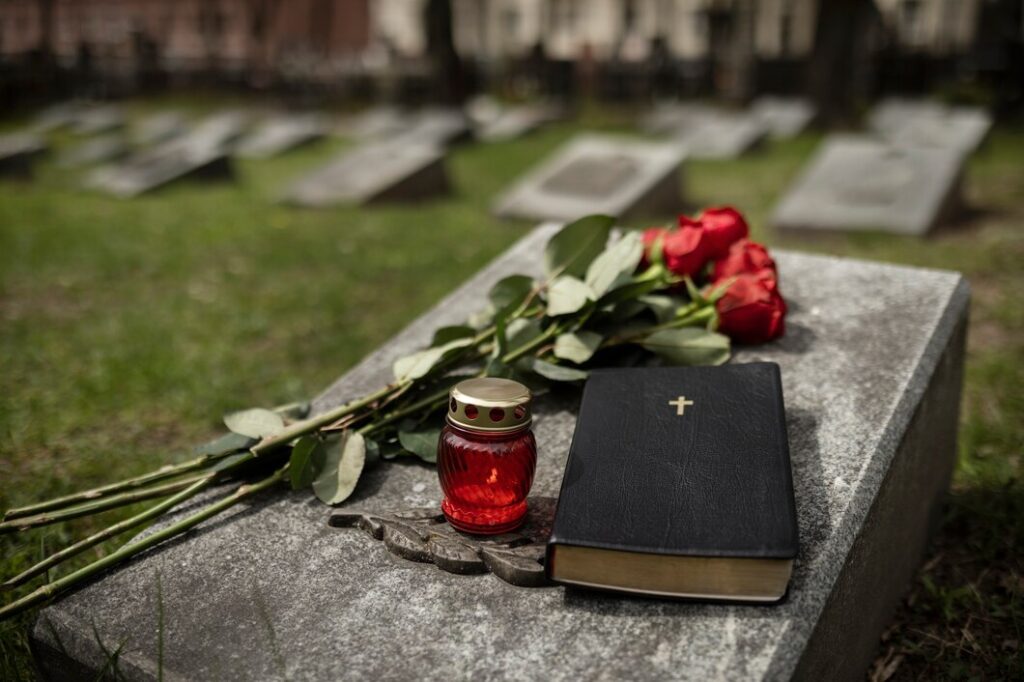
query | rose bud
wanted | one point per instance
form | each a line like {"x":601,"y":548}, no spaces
{"x":744,"y":257}
{"x":751,"y":310}
{"x":724,"y":226}
{"x":686,"y":251}
{"x":650,"y":237}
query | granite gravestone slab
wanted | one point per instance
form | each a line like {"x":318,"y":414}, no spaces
{"x":857,"y":183}
{"x":153,"y":168}
{"x":666,"y":117}
{"x":18,"y":153}
{"x":930,"y":124}
{"x":783,"y":117}
{"x":95,"y":120}
{"x":280,"y":134}
{"x":435,"y":126}
{"x":216,"y":133}
{"x":373,"y":124}
{"x":96,"y":150}
{"x":597,"y":174}
{"x":159,"y":127}
{"x":269,"y":591}
{"x":510,"y":123}
{"x":726,"y":135}
{"x":57,"y":116}
{"x":377,"y":172}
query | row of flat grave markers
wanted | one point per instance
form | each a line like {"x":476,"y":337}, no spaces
{"x":903,"y":177}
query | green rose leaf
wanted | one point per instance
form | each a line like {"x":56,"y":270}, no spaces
{"x":614,"y":266}
{"x":343,"y":463}
{"x":554,"y":372}
{"x":509,"y":293}
{"x":663,"y":307}
{"x":448,"y":334}
{"x":422,"y":443}
{"x":521,"y":331}
{"x":297,"y":410}
{"x":630,"y":291}
{"x":306,"y":461}
{"x":578,"y":347}
{"x":571,"y":251}
{"x":417,"y":365}
{"x":255,"y":423}
{"x":689,"y":346}
{"x":567,"y":295}
{"x":229,"y":442}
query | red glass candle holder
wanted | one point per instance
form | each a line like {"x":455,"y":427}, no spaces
{"x":486,"y":456}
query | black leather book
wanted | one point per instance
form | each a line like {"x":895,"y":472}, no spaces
{"x":678,"y":484}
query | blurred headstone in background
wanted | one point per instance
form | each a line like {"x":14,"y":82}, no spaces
{"x":18,"y":152}
{"x":159,"y":127}
{"x":281,"y":133}
{"x":783,"y":117}
{"x":858,"y":183}
{"x":157,"y":167}
{"x":99,"y":149}
{"x":98,"y":119}
{"x":437,"y":126}
{"x":931,"y":124}
{"x":373,"y":123}
{"x":707,"y":132}
{"x":495,"y":122}
{"x":395,"y":170}
{"x":216,"y":133}
{"x":57,"y":116}
{"x":599,"y":174}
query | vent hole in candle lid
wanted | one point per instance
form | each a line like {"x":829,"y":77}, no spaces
{"x":497,"y":414}
{"x":471,"y":412}
{"x":455,"y":406}
{"x":519,"y":412}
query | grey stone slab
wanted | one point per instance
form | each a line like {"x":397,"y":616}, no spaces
{"x":269,"y":591}
{"x":783,"y":117}
{"x":99,"y":119}
{"x":153,"y":168}
{"x":922,"y":123}
{"x":599,"y":174}
{"x":395,"y":170}
{"x":857,"y":183}
{"x":19,"y":152}
{"x":373,"y":124}
{"x":216,"y":133}
{"x":435,"y":126}
{"x":57,"y":116}
{"x":159,"y":127}
{"x":499,"y":123}
{"x":666,"y":117}
{"x":109,"y":147}
{"x":280,"y":134}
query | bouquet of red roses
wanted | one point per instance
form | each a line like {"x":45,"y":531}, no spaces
{"x":714,"y":246}
{"x":681,"y":294}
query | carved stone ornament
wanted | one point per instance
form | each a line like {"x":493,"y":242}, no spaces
{"x":423,"y":535}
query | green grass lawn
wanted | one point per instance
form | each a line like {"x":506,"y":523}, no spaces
{"x":128,"y":327}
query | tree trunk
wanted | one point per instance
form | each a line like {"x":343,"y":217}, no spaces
{"x":448,"y":69}
{"x":840,"y":72}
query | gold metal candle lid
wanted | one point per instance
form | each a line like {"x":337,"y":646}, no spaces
{"x":489,"y":404}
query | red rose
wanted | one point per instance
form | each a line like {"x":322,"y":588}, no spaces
{"x":724,"y":226}
{"x":686,"y":251}
{"x":752,"y":310}
{"x":745,"y":257}
{"x":649,"y":238}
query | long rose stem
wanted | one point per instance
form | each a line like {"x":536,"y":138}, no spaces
{"x":120,"y":527}
{"x":103,"y":504}
{"x":142,"y":481}
{"x":50,"y":590}
{"x":107,"y":533}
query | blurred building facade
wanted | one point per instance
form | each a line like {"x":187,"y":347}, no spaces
{"x":608,"y":48}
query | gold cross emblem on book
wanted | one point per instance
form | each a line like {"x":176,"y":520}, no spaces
{"x":681,"y":404}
